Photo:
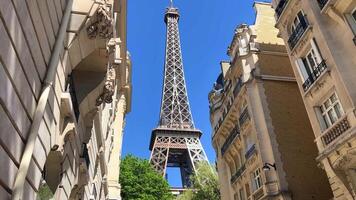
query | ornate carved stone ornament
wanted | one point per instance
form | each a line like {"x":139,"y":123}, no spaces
{"x":113,"y":50}
{"x":101,"y":24}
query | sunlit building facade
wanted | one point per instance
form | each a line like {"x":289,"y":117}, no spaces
{"x":261,"y":134}
{"x":321,"y":43}
{"x":65,"y":88}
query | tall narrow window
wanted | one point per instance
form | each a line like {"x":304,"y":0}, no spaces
{"x":331,"y":110}
{"x":354,"y":15}
{"x":257,"y":179}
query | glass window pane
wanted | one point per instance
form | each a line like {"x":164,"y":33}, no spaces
{"x":354,"y":15}
{"x":311,"y":61}
{"x":327,"y":121}
{"x":333,"y":116}
{"x":327,"y":104}
{"x":333,"y":98}
{"x":338,"y":110}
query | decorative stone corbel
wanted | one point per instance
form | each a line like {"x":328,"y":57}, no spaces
{"x":113,"y":49}
{"x":102,"y":24}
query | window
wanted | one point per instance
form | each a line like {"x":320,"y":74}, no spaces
{"x":241,"y":193}
{"x":331,"y":110}
{"x":354,"y":15}
{"x":257,"y":179}
{"x":311,"y":66}
{"x":297,"y":20}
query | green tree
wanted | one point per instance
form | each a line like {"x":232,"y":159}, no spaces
{"x":139,"y":181}
{"x":205,"y":183}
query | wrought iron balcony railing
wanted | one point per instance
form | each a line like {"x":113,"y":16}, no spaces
{"x":298,"y":32}
{"x":233,"y":134}
{"x":338,"y":129}
{"x":250,"y":152}
{"x":322,"y":3}
{"x":316,"y":73}
{"x":244,"y":116}
{"x":239,"y":172}
{"x":280,"y":7}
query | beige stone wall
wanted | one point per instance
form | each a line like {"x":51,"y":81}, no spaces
{"x":295,"y":141}
{"x":28,"y":30}
{"x":277,"y":124}
{"x":332,"y":29}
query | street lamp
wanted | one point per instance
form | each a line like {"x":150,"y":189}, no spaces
{"x":267,"y":166}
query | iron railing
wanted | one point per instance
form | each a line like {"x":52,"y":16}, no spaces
{"x":250,"y":152}
{"x":338,"y":129}
{"x":298,"y":32}
{"x":233,"y":134}
{"x":280,"y":7}
{"x":239,"y":172}
{"x":322,"y":3}
{"x":244,"y":116}
{"x":316,"y":73}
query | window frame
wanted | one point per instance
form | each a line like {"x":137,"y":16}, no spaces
{"x":293,"y":26}
{"x":328,"y":110}
{"x":257,"y":179}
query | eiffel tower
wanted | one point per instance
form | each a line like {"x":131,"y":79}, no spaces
{"x":175,"y":142}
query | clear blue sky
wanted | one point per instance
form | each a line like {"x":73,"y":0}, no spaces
{"x":206,"y":30}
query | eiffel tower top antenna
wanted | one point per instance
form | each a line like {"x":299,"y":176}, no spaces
{"x":171,"y":5}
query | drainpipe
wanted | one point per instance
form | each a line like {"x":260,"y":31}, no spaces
{"x":39,"y":112}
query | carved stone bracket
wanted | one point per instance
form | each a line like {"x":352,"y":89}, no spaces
{"x":102,"y":23}
{"x":113,"y":49}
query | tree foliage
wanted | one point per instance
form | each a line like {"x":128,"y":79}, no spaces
{"x":139,"y":181}
{"x":205,"y":183}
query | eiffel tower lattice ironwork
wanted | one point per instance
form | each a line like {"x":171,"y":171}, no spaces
{"x":175,"y":142}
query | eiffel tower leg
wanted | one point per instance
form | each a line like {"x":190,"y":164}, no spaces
{"x":159,"y":154}
{"x":196,"y":151}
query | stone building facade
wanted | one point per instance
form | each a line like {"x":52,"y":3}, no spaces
{"x":322,"y":48}
{"x":65,"y":88}
{"x":262,"y":137}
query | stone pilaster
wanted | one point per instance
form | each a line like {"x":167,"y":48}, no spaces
{"x":115,"y":154}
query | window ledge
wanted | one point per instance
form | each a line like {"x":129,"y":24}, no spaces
{"x":318,"y":80}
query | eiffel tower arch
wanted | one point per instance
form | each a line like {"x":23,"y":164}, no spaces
{"x":176,"y":141}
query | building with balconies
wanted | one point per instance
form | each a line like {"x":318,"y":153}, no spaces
{"x":261,"y":134}
{"x":322,"y":48}
{"x":65,"y":88}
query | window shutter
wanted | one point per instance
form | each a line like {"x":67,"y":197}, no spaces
{"x":301,"y":69}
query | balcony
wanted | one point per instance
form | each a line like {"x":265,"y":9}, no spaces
{"x":322,"y":3}
{"x":236,"y":91}
{"x":298,"y":33}
{"x":249,"y":153}
{"x":238,"y":174}
{"x":335,"y":131}
{"x":316,"y":73}
{"x":244,"y":117}
{"x":280,"y":7}
{"x":258,"y":194}
{"x":233,"y":134}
